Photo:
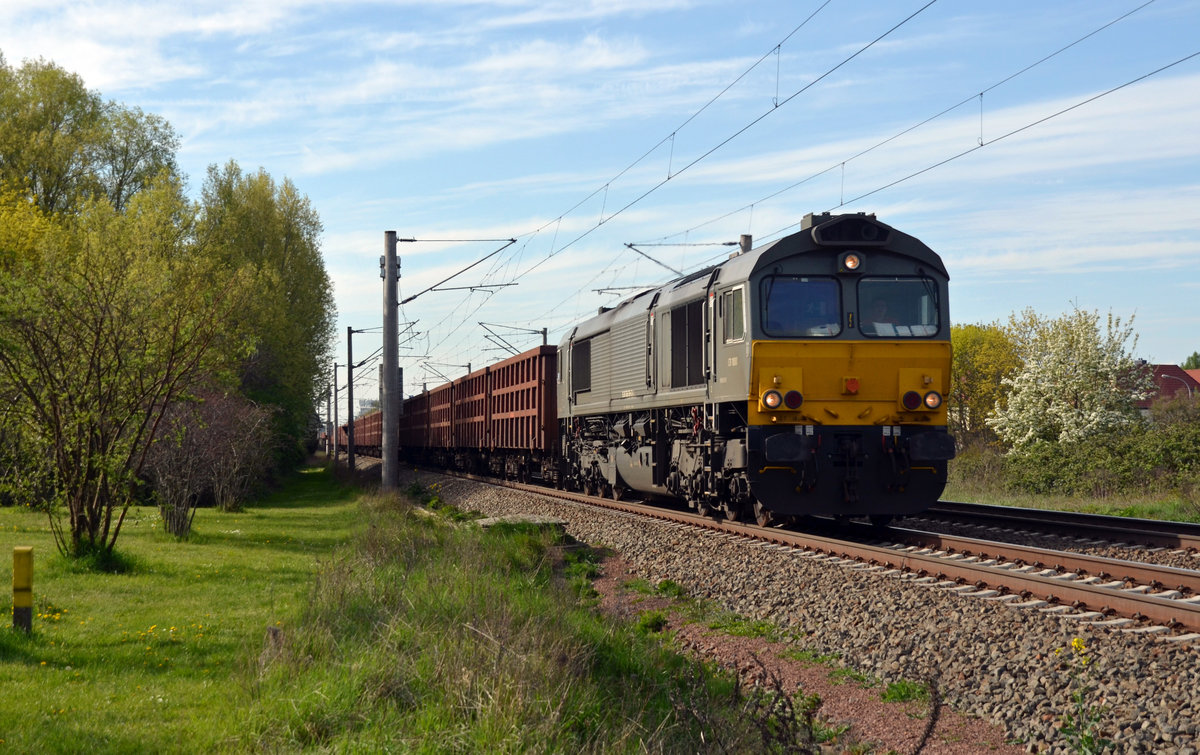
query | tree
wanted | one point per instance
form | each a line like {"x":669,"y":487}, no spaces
{"x":115,"y":317}
{"x":984,"y":355}
{"x":137,"y":147}
{"x":61,"y":144}
{"x":1075,"y":381}
{"x":1192,"y":362}
{"x":249,"y":219}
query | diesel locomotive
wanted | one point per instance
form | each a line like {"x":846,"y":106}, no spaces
{"x":804,"y":377}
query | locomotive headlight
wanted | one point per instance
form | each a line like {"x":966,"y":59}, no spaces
{"x":850,"y":262}
{"x":772,"y":399}
{"x":933,"y":400}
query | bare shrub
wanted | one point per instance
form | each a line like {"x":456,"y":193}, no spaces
{"x":212,"y":448}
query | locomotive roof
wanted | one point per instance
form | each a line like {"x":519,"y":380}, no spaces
{"x":851,"y":231}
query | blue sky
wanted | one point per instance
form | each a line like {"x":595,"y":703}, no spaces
{"x":559,"y":123}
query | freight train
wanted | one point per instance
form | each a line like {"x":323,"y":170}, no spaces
{"x":804,"y":377}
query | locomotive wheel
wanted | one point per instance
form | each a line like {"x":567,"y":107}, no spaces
{"x":762,"y":515}
{"x":703,"y":509}
{"x":881,"y":520}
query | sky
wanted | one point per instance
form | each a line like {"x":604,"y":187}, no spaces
{"x":1049,"y":152}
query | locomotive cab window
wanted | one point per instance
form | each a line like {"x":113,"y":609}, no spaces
{"x":898,"y":307}
{"x":800,"y":306}
{"x":733,"y":319}
{"x":581,"y":367}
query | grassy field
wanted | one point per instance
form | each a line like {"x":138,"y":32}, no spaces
{"x":326,"y":620}
{"x":1171,"y":507}
{"x":154,"y":659}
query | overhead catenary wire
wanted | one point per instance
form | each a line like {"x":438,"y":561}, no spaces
{"x":842,"y":163}
{"x":1010,"y":133}
{"x":730,"y":137}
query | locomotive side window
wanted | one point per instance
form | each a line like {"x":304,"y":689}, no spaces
{"x":687,"y":345}
{"x":800,"y":307}
{"x":581,"y":366}
{"x":733,"y":326}
{"x":898,"y":307}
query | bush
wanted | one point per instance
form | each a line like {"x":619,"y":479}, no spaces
{"x":1158,"y":457}
{"x":978,"y":465}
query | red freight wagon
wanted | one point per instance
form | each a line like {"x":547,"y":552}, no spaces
{"x":501,"y":419}
{"x":414,"y":423}
{"x":441,"y":417}
{"x":522,"y":402}
{"x":368,"y":434}
{"x":471,"y":411}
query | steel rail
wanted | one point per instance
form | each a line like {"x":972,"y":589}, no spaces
{"x":1153,"y":532}
{"x":1155,"y":575}
{"x":1060,"y":589}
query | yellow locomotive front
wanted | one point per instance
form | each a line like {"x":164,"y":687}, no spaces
{"x":848,"y":367}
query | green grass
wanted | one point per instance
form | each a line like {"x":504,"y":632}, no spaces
{"x":1172,"y":507}
{"x":905,"y":691}
{"x":427,"y":637}
{"x":151,"y":659}
{"x":846,"y":675}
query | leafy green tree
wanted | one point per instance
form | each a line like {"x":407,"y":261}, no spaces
{"x":61,"y":144}
{"x":136,"y":148}
{"x":984,"y":355}
{"x":1077,"y":379}
{"x":249,"y":219}
{"x":1192,"y":362}
{"x":114,"y":317}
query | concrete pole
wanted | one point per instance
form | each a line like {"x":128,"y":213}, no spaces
{"x":350,"y":398}
{"x":391,"y":392}
{"x":336,"y":426}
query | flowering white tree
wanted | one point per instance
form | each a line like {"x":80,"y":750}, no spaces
{"x":1078,"y":380}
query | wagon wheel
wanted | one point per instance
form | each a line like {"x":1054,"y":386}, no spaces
{"x":881,"y":520}
{"x":762,"y":514}
{"x":617,"y":491}
{"x":703,"y":508}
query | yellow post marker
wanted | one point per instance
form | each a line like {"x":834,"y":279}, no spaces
{"x":23,"y":588}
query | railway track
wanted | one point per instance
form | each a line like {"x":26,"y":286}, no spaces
{"x":1117,"y":594}
{"x":1116,"y":529}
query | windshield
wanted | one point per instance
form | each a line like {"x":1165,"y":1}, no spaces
{"x":794,"y":307}
{"x":898,"y":307}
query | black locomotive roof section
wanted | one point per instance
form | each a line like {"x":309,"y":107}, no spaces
{"x":849,"y":231}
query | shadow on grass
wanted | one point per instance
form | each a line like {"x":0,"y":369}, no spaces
{"x":311,"y":486}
